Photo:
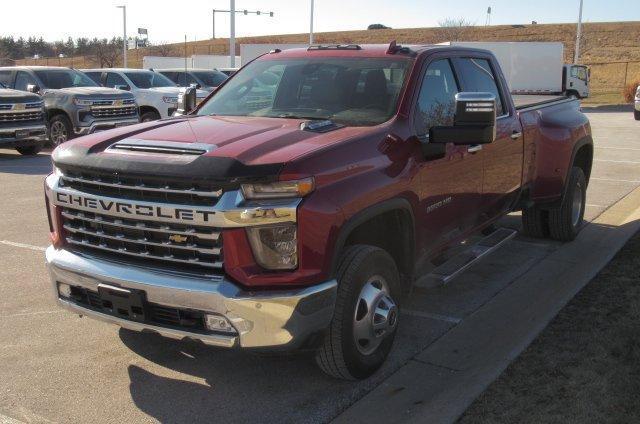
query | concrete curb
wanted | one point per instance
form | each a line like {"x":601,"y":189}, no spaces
{"x":440,"y":383}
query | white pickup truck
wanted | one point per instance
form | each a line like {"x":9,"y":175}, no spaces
{"x":156,"y":95}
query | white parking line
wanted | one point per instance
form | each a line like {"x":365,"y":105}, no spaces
{"x":421,"y":314}
{"x":24,"y":246}
{"x":616,"y":161}
{"x":617,"y":148}
{"x":615,"y":180}
{"x":594,"y":206}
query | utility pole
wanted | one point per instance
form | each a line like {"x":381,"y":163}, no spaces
{"x":124,"y":40}
{"x":232,"y":36}
{"x":576,"y":56}
{"x":311,"y":26}
{"x":213,"y":25}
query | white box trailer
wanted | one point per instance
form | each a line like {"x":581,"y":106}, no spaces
{"x":535,"y":67}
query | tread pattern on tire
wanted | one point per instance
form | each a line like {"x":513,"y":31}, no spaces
{"x":329,"y":357}
{"x":535,"y":222}
{"x":560,"y":225}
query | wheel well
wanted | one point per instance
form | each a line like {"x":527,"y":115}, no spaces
{"x":584,"y":160}
{"x":145,"y":109}
{"x":391,"y":231}
{"x":53,"y":112}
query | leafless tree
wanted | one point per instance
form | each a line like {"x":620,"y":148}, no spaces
{"x":163,"y":50}
{"x":107,"y":53}
{"x":452,"y":29}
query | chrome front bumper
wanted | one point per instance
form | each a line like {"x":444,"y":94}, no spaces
{"x":105,"y":125}
{"x":35,"y":133}
{"x":273,"y":320}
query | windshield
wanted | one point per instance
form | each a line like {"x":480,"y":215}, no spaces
{"x":210,"y":78}
{"x":149,"y":79}
{"x":64,"y":78}
{"x":349,"y":91}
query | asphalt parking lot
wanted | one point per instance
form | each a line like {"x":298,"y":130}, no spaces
{"x":57,"y":367}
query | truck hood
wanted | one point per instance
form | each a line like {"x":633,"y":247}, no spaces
{"x":14,"y":96}
{"x":234,"y":147}
{"x":91,"y":92}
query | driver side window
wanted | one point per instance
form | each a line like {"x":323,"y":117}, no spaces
{"x":436,"y":101}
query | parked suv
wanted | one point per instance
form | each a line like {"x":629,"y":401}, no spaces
{"x":156,"y":95}
{"x":22,"y":121}
{"x":74,"y":104}
{"x":636,"y":109}
{"x":205,"y":79}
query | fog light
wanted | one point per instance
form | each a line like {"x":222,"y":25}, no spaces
{"x":64,"y":290}
{"x":218,"y":323}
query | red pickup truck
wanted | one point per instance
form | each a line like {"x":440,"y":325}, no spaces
{"x":297,"y":205}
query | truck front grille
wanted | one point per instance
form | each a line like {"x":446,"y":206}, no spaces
{"x":193,"y":247}
{"x":113,"y":111}
{"x":35,"y":115}
{"x":146,"y":189}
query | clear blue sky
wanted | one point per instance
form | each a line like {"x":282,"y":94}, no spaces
{"x":169,"y":20}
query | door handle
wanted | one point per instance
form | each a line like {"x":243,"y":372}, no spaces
{"x":516,"y":135}
{"x":475,"y":148}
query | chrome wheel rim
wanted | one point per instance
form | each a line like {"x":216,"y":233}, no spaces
{"x":58,"y":132}
{"x":576,"y":206}
{"x":375,"y":316}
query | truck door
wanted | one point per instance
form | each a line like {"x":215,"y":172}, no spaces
{"x":502,"y":177}
{"x":450,"y":186}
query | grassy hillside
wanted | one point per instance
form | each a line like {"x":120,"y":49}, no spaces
{"x":604,"y":44}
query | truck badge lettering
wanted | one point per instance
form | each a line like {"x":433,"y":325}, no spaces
{"x":438,"y":204}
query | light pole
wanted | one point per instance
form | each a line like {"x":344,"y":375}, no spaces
{"x":124,"y":40}
{"x":311,"y":25}
{"x":576,"y":55}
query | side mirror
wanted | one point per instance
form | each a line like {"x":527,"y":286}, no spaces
{"x":186,"y":101}
{"x":474,"y":121}
{"x":122,"y":87}
{"x":195,"y":85}
{"x":33,"y":88}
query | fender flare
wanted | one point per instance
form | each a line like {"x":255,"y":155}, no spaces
{"x":397,"y":203}
{"x":584,"y":141}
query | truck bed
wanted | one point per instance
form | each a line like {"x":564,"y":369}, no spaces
{"x":525,"y":101}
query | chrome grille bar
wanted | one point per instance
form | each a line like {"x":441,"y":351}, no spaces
{"x":142,"y":187}
{"x":123,"y":251}
{"x":143,"y":242}
{"x":139,"y":225}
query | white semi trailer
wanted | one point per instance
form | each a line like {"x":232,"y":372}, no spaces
{"x":536,"y":67}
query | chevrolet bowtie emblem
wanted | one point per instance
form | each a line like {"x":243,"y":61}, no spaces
{"x":177,"y":238}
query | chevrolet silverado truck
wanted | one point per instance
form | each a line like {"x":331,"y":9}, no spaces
{"x":22,"y":121}
{"x":204,"y":79}
{"x":74,"y":104}
{"x":303,"y":224}
{"x":155,"y":94}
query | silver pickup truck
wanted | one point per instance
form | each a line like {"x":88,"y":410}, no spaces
{"x":74,"y":104}
{"x":22,"y":121}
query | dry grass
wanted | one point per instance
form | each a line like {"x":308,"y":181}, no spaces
{"x":604,"y":44}
{"x":629,"y":92}
{"x":585,"y":366}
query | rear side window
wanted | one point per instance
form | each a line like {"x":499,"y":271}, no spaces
{"x":436,"y":102}
{"x":95,"y":76}
{"x":479,"y":77}
{"x":114,"y":79}
{"x":173,"y":76}
{"x":5,"y":78}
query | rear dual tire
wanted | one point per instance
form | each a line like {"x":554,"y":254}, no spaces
{"x":564,"y":222}
{"x":366,"y":314}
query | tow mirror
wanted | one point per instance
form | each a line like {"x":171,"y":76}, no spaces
{"x":195,"y":85}
{"x":474,"y":121}
{"x":186,"y":101}
{"x":33,"y":88}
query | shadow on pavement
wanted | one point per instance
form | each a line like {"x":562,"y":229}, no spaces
{"x":15,"y":163}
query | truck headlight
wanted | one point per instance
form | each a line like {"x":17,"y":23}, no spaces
{"x":278,"y":189}
{"x":170,"y":99}
{"x":275,"y":247}
{"x":83,"y":102}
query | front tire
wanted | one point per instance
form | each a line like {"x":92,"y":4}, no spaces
{"x":60,"y":130}
{"x":149,"y":116}
{"x":565,"y":221}
{"x":366,"y":314}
